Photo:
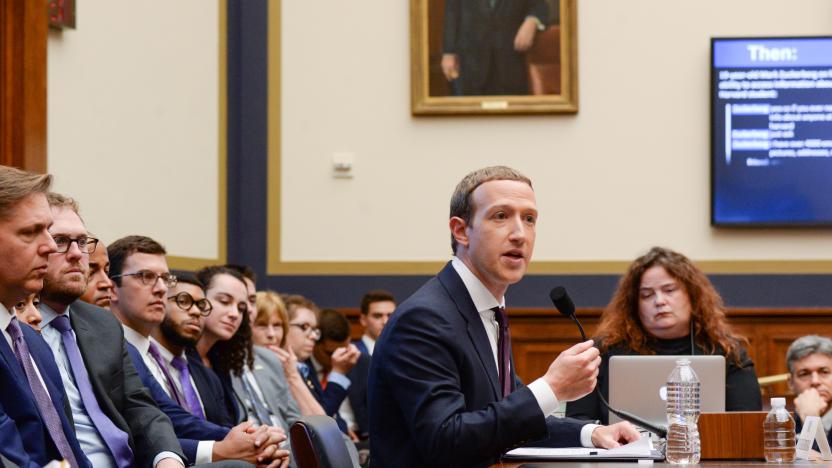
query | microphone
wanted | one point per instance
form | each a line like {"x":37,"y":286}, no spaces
{"x":563,"y":303}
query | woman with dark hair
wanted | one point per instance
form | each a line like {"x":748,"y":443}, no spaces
{"x":252,"y":377}
{"x":665,"y":305}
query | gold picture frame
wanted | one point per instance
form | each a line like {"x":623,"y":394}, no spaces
{"x":550,"y":66}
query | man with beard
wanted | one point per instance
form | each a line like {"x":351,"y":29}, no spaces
{"x":99,"y":285}
{"x":142,"y":283}
{"x":116,"y":421}
{"x":182,"y":327}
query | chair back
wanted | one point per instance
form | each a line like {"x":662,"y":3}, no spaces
{"x":318,"y":443}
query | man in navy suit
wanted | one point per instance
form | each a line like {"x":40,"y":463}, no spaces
{"x":141,"y":307}
{"x":442,"y":390}
{"x":33,"y":431}
{"x":376,"y":308}
{"x":335,"y":335}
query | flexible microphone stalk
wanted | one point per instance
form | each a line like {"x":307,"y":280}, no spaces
{"x":563,"y":303}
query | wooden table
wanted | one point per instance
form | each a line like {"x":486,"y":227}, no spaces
{"x":601,"y":464}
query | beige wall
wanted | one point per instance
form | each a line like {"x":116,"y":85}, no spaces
{"x":133,"y":120}
{"x":133,"y":126}
{"x":630,"y":170}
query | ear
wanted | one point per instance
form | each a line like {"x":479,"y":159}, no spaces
{"x":459,"y":230}
{"x":791,"y":384}
{"x":363,"y":320}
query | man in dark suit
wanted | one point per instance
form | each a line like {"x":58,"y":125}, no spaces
{"x":117,"y":423}
{"x":376,"y":308}
{"x":333,"y":355}
{"x":809,"y":359}
{"x":443,"y":391}
{"x":35,"y":427}
{"x":141,"y":306}
{"x":485,"y":42}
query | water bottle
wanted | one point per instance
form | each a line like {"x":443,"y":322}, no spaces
{"x":682,"y":415}
{"x":778,"y":433}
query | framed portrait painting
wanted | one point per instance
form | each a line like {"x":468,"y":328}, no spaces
{"x":493,"y":57}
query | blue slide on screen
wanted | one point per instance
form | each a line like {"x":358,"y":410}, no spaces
{"x":771,"y":133}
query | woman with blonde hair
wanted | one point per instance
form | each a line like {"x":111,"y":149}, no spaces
{"x":269,"y":330}
{"x":665,"y":305}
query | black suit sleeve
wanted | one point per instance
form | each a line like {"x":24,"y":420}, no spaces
{"x":742,"y":392}
{"x":450,"y":37}
{"x":425,"y":373}
{"x":540,"y":10}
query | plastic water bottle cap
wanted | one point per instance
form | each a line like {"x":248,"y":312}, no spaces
{"x":778,"y":402}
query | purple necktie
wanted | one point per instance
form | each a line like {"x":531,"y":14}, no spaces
{"x":116,"y":439}
{"x":45,"y":405}
{"x":191,"y":398}
{"x":503,"y":350}
{"x":157,"y":356}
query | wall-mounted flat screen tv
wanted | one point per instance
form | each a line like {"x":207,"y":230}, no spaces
{"x":771,"y":131}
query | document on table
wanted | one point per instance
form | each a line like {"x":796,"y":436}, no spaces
{"x":642,"y":448}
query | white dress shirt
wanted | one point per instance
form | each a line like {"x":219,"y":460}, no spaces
{"x":485,"y":302}
{"x":5,"y":319}
{"x":369,"y":343}
{"x":204,"y":448}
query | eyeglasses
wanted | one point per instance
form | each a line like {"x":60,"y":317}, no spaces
{"x":185,"y":301}
{"x":269,"y":326}
{"x":149,"y":278}
{"x":309,"y":330}
{"x":85,"y":244}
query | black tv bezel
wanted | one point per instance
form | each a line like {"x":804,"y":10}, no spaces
{"x":747,"y":224}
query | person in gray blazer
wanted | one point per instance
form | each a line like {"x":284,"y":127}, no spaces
{"x":267,"y":372}
{"x":116,"y":421}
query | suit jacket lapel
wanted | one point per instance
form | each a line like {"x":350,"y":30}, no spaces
{"x":11,"y":361}
{"x":83,"y":336}
{"x":476,"y":332}
{"x":51,"y":375}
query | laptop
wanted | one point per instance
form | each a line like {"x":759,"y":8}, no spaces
{"x":636,"y":383}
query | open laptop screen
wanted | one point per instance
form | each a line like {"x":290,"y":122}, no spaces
{"x":636,"y":382}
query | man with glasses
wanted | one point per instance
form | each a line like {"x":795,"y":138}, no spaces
{"x":809,"y":360}
{"x":144,"y":292}
{"x":99,"y":285}
{"x":185,"y":313}
{"x":116,"y":421}
{"x":35,"y":426}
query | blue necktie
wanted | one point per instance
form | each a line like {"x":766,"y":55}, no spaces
{"x":115,"y":438}
{"x":45,"y":405}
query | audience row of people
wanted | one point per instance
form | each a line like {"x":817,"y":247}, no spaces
{"x":131,"y":365}
{"x":112,"y":360}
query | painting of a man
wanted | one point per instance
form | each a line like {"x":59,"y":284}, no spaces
{"x":484,"y":44}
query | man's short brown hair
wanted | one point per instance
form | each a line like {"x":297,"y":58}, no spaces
{"x":376,"y":295}
{"x":15,"y":185}
{"x":56,"y":200}
{"x":461,"y":205}
{"x":119,"y":250}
